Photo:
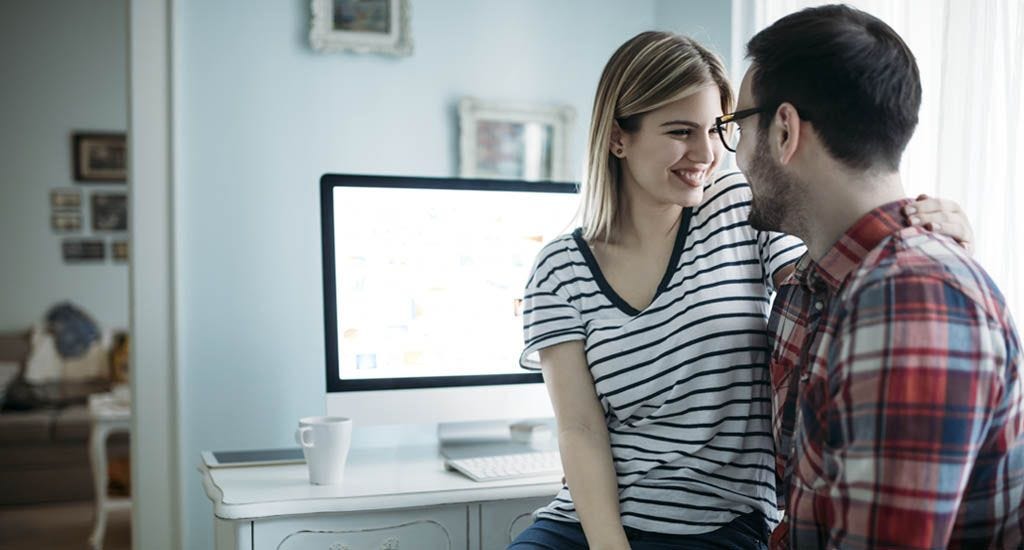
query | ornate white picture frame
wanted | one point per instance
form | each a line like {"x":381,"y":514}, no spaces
{"x":514,"y":140}
{"x":361,"y":26}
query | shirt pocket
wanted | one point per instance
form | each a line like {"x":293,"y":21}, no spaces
{"x":817,"y":466}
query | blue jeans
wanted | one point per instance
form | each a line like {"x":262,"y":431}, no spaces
{"x":747,"y":532}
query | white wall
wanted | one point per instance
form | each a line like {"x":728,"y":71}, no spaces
{"x":260,"y":117}
{"x":156,"y":435}
{"x":63,"y":68}
{"x":707,"y":22}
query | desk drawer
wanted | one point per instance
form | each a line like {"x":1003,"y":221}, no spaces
{"x":502,"y":521}
{"x":441,"y":528}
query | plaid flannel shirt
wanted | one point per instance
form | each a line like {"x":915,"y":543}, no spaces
{"x":899,"y":420}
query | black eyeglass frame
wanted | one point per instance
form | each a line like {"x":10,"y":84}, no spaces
{"x":733,"y":117}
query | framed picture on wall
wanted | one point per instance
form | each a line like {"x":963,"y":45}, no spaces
{"x":99,"y":157}
{"x":119,"y":250}
{"x":514,"y":141}
{"x":65,"y":199}
{"x":66,"y":222}
{"x":83,"y":250}
{"x":109,"y":212}
{"x":362,"y":26}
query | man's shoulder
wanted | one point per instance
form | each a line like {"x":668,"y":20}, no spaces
{"x":918,"y":266}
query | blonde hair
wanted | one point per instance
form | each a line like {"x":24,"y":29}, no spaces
{"x":649,"y":71}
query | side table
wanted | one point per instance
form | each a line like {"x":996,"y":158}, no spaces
{"x":107,"y":415}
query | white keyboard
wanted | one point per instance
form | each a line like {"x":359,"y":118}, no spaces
{"x":510,"y":466}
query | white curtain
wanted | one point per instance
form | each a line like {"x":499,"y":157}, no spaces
{"x":969,"y":143}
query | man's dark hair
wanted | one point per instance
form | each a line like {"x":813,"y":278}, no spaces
{"x":848,"y":73}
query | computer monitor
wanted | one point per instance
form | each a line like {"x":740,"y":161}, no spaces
{"x":423,"y":286}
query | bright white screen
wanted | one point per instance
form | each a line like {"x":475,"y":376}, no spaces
{"x":430,"y":282}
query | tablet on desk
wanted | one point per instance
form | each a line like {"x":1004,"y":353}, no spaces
{"x":256,"y":457}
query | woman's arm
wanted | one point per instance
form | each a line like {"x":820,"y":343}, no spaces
{"x":584,"y":445}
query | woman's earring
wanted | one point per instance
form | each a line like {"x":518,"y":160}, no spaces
{"x":619,"y":151}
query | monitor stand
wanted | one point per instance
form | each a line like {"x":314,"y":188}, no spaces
{"x":486,"y":431}
{"x":492,"y":438}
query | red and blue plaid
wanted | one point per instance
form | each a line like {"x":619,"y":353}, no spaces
{"x":899,"y":416}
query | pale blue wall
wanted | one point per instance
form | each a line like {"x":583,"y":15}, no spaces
{"x":260,"y":117}
{"x":707,"y":21}
{"x":62,"y":66}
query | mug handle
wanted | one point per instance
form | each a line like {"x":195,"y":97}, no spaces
{"x":300,"y":436}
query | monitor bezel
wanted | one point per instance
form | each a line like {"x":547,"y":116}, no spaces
{"x":328,"y":182}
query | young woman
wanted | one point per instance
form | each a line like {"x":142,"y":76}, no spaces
{"x":649,"y":321}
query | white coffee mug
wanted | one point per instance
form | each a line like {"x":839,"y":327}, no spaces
{"x":325,"y":441}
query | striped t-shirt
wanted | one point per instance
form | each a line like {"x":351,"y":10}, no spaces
{"x":684,"y":383}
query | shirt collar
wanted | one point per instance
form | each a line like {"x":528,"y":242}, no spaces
{"x":851,"y":248}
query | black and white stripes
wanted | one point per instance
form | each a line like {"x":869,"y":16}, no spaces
{"x":684,"y":383}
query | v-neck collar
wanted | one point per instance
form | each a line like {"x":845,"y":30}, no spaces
{"x":670,"y":269}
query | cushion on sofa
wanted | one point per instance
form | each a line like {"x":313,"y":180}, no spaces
{"x":48,"y":380}
{"x":46,"y":365}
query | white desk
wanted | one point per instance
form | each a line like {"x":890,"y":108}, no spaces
{"x":107,"y":415}
{"x":391,"y":499}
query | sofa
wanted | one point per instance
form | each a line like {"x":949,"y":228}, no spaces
{"x":44,"y":449}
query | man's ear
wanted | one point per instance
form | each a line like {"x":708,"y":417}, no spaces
{"x":785,"y":132}
{"x":615,"y":142}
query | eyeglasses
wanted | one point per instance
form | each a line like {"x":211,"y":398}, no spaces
{"x":728,"y":128}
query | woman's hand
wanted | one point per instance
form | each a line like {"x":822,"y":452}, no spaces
{"x":942,"y":216}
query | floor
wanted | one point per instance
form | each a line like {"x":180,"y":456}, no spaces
{"x":65,"y":525}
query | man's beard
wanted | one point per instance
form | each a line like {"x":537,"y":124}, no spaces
{"x":775,"y":204}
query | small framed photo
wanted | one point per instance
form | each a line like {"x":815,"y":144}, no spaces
{"x":65,"y":199}
{"x":514,"y":141}
{"x":361,"y":26}
{"x":83,"y":250}
{"x":109,"y":212}
{"x":119,"y":250}
{"x":100,"y":157}
{"x":66,"y":222}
